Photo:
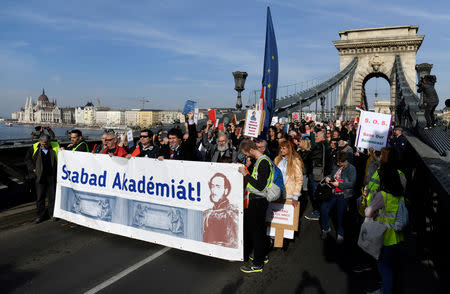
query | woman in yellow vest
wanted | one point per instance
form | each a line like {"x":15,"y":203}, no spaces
{"x":383,"y":207}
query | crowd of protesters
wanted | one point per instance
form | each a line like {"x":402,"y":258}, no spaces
{"x":307,"y":153}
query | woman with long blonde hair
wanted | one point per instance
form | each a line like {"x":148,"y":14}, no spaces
{"x":291,"y":166}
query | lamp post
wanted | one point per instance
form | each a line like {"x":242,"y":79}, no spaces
{"x":322,"y":103}
{"x":239,"y":81}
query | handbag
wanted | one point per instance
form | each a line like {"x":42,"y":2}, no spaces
{"x":371,"y":237}
{"x":324,"y":191}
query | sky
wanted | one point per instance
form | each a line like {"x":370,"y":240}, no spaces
{"x":173,"y":50}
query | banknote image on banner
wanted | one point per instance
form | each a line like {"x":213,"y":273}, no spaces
{"x":193,"y":206}
{"x":179,"y":222}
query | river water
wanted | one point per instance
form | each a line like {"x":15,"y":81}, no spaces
{"x":24,"y":131}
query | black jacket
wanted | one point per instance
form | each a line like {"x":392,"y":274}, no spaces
{"x":152,"y":151}
{"x":45,"y":165}
{"x":186,"y":150}
{"x":316,"y":156}
{"x":429,"y":93}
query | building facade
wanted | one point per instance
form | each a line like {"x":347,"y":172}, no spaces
{"x":43,"y":111}
{"x":109,"y":117}
{"x":148,"y":117}
{"x":131,"y":117}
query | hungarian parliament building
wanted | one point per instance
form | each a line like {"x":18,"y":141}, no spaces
{"x":44,"y":111}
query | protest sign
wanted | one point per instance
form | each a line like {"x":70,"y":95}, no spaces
{"x":234,"y":119}
{"x":296,"y":116}
{"x":212,"y":115}
{"x":189,"y":106}
{"x":196,"y":115}
{"x":253,"y":123}
{"x":282,"y":217}
{"x":274,"y":120}
{"x":179,"y":204}
{"x":221,"y":127}
{"x":373,"y":130}
{"x":130,"y":138}
{"x":310,"y":117}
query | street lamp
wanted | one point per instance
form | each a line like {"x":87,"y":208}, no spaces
{"x":239,"y":81}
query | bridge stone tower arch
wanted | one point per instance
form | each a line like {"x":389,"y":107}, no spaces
{"x":376,"y":49}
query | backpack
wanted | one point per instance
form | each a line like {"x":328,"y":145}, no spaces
{"x":401,"y":217}
{"x":277,"y":188}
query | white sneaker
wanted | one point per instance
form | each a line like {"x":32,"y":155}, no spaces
{"x":340,"y":239}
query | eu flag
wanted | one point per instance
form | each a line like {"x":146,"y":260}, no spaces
{"x":270,"y":75}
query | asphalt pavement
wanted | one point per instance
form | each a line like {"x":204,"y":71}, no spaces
{"x":61,"y":257}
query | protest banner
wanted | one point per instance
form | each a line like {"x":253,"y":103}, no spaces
{"x":193,"y":206}
{"x":253,"y":122}
{"x":282,"y":217}
{"x":373,"y":130}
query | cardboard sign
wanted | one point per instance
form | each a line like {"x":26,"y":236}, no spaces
{"x":373,"y":130}
{"x":234,"y":119}
{"x":282,"y":216}
{"x":253,"y":119}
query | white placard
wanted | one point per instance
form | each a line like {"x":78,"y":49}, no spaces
{"x":274,"y":120}
{"x":193,"y":206}
{"x":279,"y":213}
{"x":130,"y":138}
{"x":289,"y":234}
{"x":373,"y":130}
{"x":252,"y":123}
{"x":196,"y":115}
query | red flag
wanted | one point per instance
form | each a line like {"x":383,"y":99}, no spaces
{"x":262,"y":98}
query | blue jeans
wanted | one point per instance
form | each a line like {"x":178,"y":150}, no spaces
{"x":385,"y":267}
{"x":325,"y":213}
{"x":312,"y":190}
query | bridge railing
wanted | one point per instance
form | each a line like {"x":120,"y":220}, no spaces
{"x":428,"y":192}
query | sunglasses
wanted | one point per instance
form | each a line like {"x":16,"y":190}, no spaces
{"x":143,"y":136}
{"x":109,"y":140}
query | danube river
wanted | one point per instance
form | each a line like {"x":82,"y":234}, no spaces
{"x":24,"y":131}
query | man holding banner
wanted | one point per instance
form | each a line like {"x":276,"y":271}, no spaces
{"x":255,"y":214}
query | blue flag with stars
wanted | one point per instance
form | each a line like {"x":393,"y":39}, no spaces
{"x":270,"y":75}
